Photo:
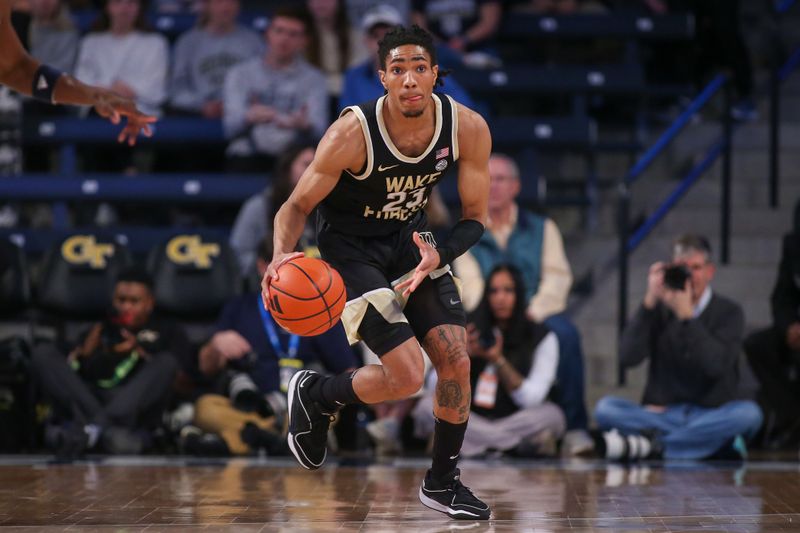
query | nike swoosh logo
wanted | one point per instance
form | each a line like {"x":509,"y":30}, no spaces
{"x":454,"y":457}
{"x":381,"y":168}
{"x":454,"y":302}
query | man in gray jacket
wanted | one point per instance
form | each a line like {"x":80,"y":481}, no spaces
{"x":693,"y":404}
{"x":273,"y":101}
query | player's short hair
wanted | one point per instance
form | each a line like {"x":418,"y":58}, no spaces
{"x":401,"y":35}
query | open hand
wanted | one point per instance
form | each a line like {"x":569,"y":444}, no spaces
{"x":113,"y":106}
{"x":428,"y":263}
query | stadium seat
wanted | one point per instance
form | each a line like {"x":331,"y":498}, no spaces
{"x":78,"y":276}
{"x":15,"y":292}
{"x":193,"y":276}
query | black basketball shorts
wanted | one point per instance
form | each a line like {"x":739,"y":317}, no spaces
{"x":370,"y":268}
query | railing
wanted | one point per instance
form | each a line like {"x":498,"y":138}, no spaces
{"x":777,"y":76}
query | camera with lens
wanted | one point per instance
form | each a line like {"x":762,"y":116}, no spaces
{"x":675,"y":276}
{"x":245,"y":363}
{"x":242,"y":390}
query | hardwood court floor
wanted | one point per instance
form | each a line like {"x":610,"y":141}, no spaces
{"x":167,"y":494}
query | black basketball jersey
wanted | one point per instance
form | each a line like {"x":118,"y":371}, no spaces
{"x":391,"y":188}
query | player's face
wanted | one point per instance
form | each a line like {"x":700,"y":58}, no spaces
{"x":409,"y":79}
{"x":502,"y":295}
{"x":134,"y":301}
{"x":504,"y":187}
{"x":286,"y":37}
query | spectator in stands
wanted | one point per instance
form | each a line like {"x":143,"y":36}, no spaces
{"x":361,"y":83}
{"x":534,"y":245}
{"x":335,"y":45}
{"x":558,"y":7}
{"x":164,"y":7}
{"x":114,"y":385}
{"x":692,"y":404}
{"x":460,"y":26}
{"x":513,"y":369}
{"x":52,"y":36}
{"x":356,"y":9}
{"x":256,"y":358}
{"x":276,"y":100}
{"x":120,"y":54}
{"x":254,"y":220}
{"x":774,"y":353}
{"x":204,"y":55}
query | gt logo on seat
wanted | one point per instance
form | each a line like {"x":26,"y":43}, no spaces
{"x":84,"y":249}
{"x":189,"y":249}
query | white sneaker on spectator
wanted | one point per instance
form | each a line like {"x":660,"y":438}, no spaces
{"x":385,"y":434}
{"x":576,"y":442}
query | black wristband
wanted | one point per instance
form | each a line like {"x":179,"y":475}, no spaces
{"x":44,"y":83}
{"x":466,"y":233}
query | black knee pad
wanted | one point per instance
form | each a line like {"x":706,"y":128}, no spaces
{"x":434,"y":303}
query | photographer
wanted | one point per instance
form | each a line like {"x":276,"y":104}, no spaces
{"x":253,"y":359}
{"x":113,"y":386}
{"x":693,"y":404}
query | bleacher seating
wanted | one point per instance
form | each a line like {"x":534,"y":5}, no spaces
{"x":523,"y":26}
{"x":526,"y":79}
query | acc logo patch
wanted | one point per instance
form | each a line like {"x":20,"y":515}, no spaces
{"x":190,"y":249}
{"x":85,"y":250}
{"x":441,"y":165}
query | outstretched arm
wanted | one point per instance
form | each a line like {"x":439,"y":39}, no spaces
{"x":28,"y":76}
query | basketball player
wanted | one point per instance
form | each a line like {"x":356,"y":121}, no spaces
{"x":371,"y":177}
{"x":24,"y":74}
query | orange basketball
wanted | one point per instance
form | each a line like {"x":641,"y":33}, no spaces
{"x":308,"y":297}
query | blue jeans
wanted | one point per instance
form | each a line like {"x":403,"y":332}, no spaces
{"x":687,"y":431}
{"x":569,"y":393}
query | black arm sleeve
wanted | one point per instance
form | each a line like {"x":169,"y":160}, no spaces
{"x":466,"y":233}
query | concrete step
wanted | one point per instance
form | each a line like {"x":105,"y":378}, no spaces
{"x":707,"y":191}
{"x":750,"y":222}
{"x":700,"y":211}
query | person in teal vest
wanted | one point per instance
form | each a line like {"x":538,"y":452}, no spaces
{"x":534,"y":245}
